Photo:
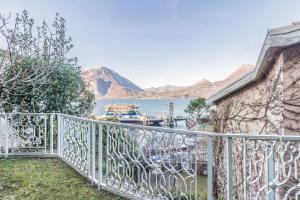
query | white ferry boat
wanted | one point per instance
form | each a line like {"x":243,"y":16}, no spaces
{"x":124,"y":113}
{"x":128,"y":113}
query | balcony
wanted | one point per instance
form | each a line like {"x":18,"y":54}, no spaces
{"x":141,"y":162}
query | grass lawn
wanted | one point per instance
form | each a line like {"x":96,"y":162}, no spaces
{"x":40,"y":179}
{"x":202,"y":184}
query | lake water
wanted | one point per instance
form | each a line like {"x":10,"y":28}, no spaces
{"x":152,"y":107}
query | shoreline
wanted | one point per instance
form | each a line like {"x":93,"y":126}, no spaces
{"x":144,"y":98}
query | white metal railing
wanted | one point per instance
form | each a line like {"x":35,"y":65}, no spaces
{"x":158,"y":163}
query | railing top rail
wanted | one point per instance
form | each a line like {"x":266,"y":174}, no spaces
{"x":24,"y":113}
{"x":196,"y":133}
{"x":169,"y":130}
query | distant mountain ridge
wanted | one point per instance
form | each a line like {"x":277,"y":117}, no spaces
{"x":106,"y":83}
{"x":203,"y":88}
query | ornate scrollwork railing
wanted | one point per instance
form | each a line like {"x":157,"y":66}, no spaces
{"x":151,"y":163}
{"x":25,"y":133}
{"x":141,"y":162}
{"x":76,"y":142}
{"x":272,"y":169}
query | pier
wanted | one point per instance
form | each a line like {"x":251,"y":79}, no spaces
{"x":165,"y":121}
{"x":172,"y":122}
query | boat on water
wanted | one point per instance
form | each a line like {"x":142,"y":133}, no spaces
{"x":127,"y":113}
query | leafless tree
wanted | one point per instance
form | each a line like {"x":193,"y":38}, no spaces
{"x":27,"y":54}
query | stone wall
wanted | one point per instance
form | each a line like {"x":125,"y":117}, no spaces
{"x":269,"y":106}
{"x":257,"y":109}
{"x":291,"y":91}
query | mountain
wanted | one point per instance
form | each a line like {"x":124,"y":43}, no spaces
{"x":203,"y":88}
{"x":105,"y":83}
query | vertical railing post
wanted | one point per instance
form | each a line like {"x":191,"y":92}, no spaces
{"x":58,"y":134}
{"x":51,"y":134}
{"x":196,"y":167}
{"x":270,"y":172}
{"x":45,"y":131}
{"x":62,"y":134}
{"x":89,"y":149}
{"x":107,"y":166}
{"x":2,"y":134}
{"x":93,"y":151}
{"x":6,"y":134}
{"x":229,"y":169}
{"x":210,"y":158}
{"x":100,"y":152}
{"x":245,"y":167}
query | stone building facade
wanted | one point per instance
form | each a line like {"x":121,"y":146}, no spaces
{"x":264,"y":101}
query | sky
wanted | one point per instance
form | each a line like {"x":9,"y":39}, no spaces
{"x":159,"y":42}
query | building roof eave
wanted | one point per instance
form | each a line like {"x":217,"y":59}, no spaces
{"x":276,"y":40}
